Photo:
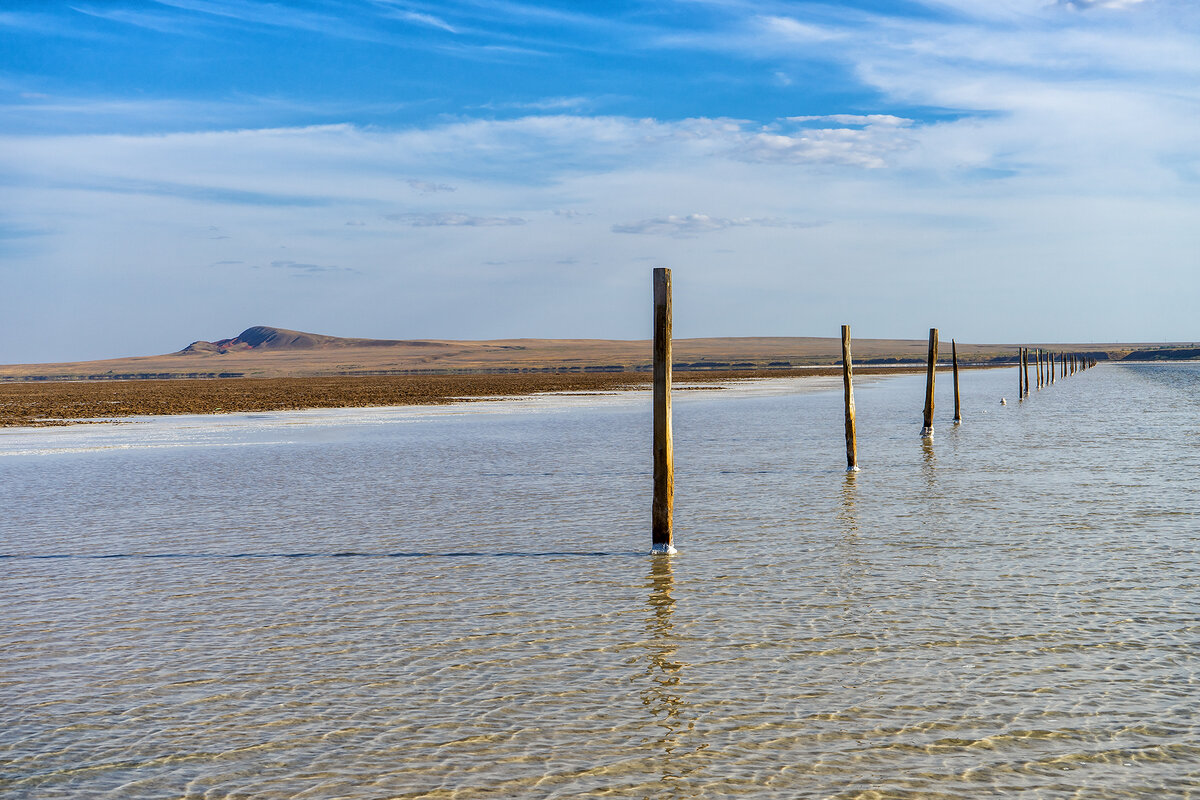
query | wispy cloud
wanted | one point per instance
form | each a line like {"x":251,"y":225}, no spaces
{"x":547,"y":104}
{"x":1086,"y":4}
{"x":696,"y":224}
{"x":161,"y":22}
{"x":429,"y":187}
{"x":451,"y":219}
{"x":271,"y":15}
{"x":428,"y":20}
{"x":300,"y":268}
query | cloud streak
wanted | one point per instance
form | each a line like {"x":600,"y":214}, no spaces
{"x":691,"y":225}
{"x":449,"y":219}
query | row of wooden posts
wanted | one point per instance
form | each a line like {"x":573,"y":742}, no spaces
{"x":1049,"y":367}
{"x":664,"y":482}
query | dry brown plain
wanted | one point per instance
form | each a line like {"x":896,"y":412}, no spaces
{"x":331,"y":356}
{"x":265,"y":369}
{"x":41,"y":403}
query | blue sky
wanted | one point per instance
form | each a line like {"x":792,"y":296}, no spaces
{"x":1006,"y":170}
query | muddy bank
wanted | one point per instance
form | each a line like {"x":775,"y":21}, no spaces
{"x":60,"y":403}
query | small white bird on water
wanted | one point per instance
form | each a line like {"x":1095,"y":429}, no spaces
{"x":1003,"y":402}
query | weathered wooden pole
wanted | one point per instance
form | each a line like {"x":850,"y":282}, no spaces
{"x":664,"y":472}
{"x":1026,"y":363}
{"x":848,"y":382}
{"x":1021,"y":371}
{"x":930,"y":372}
{"x":1051,"y":367}
{"x":957,"y":403}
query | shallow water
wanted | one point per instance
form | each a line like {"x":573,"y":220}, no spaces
{"x":458,"y":602}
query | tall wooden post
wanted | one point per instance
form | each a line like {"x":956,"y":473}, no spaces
{"x":1051,"y":366}
{"x":848,"y":381}
{"x":957,"y":403}
{"x":930,"y":372}
{"x":664,"y":472}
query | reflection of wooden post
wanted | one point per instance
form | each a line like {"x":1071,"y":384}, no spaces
{"x":957,"y":404}
{"x":929,"y":378}
{"x":664,"y":476}
{"x":848,"y":380}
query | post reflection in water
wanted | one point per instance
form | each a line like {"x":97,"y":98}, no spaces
{"x":847,"y":512}
{"x":930,"y":465}
{"x":663,"y":672}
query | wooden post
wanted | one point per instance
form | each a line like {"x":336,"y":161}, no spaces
{"x":1037,"y":353}
{"x":1022,"y":374}
{"x":848,"y":381}
{"x":1025,"y":361}
{"x":957,"y":404}
{"x":930,"y":372}
{"x":1051,"y":367}
{"x":664,"y":473}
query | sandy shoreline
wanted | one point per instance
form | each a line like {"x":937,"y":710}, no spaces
{"x":43,"y":403}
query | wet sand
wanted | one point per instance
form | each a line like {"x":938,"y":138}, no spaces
{"x":42,"y":403}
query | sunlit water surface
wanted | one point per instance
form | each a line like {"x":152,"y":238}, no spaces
{"x":459,"y":603}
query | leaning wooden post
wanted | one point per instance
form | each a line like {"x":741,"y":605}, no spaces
{"x":957,"y":404}
{"x":930,"y":373}
{"x":664,"y":473}
{"x":848,"y":381}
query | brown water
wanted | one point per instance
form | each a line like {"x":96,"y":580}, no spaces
{"x":459,"y":604}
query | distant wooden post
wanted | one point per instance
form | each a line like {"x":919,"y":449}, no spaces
{"x":1051,"y":367}
{"x":957,"y":404}
{"x":848,"y":381}
{"x":1020,"y":380}
{"x":664,"y":472}
{"x":1025,"y":361}
{"x":930,"y":372}
{"x":1037,"y":354}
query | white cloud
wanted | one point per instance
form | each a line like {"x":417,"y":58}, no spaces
{"x":428,"y":20}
